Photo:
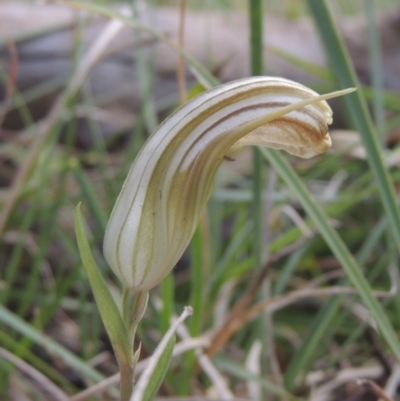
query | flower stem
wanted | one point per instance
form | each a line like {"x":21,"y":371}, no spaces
{"x":134,"y":304}
{"x":126,"y":381}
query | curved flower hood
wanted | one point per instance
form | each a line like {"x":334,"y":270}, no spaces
{"x":171,"y":179}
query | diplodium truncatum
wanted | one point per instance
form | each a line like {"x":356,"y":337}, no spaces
{"x":171,"y":179}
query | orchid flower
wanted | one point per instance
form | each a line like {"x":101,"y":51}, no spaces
{"x":172,"y":177}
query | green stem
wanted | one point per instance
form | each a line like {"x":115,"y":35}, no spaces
{"x":256,"y":36}
{"x":134,"y":304}
{"x":126,"y":381}
{"x":257,"y":67}
{"x":256,"y":46}
{"x":133,"y":307}
{"x":258,"y":209}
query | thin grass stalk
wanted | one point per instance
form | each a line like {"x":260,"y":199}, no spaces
{"x":167,"y":296}
{"x":356,"y":105}
{"x":11,"y":273}
{"x":215,"y":210}
{"x":90,"y":195}
{"x":256,"y":45}
{"x":354,"y":337}
{"x":237,"y":243}
{"x":197,"y":285}
{"x":375,"y":68}
{"x":289,"y":267}
{"x":197,"y":302}
{"x":257,"y":57}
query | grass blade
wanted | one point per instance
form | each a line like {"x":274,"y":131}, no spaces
{"x":337,"y":246}
{"x":109,"y":311}
{"x":15,"y":322}
{"x":159,"y":361}
{"x":357,"y":108}
{"x":376,"y":68}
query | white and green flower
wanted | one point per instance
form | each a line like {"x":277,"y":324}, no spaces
{"x":171,"y":179}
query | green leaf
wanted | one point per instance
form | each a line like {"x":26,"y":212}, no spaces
{"x":160,"y":371}
{"x":151,"y":379}
{"x":109,"y":311}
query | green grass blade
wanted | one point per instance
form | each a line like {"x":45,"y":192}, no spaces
{"x":231,"y":367}
{"x":109,"y":311}
{"x":256,"y":37}
{"x":376,"y":68}
{"x":357,"y":108}
{"x":315,"y":70}
{"x":197,"y":280}
{"x":159,"y":373}
{"x":234,"y":246}
{"x":158,"y":363}
{"x":337,"y":246}
{"x":258,"y":212}
{"x":89,"y":194}
{"x":197,"y":301}
{"x":12,"y":344}
{"x":167,"y":296}
{"x":15,"y":322}
{"x":319,"y":327}
{"x":257,"y":56}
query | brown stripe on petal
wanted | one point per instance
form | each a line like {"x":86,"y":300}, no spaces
{"x":264,"y":89}
{"x":308,"y":130}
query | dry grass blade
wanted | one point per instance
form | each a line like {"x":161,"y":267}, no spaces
{"x":324,"y":391}
{"x":238,"y":321}
{"x":294,"y":296}
{"x":393,"y":381}
{"x":377,"y":390}
{"x":45,"y":386}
